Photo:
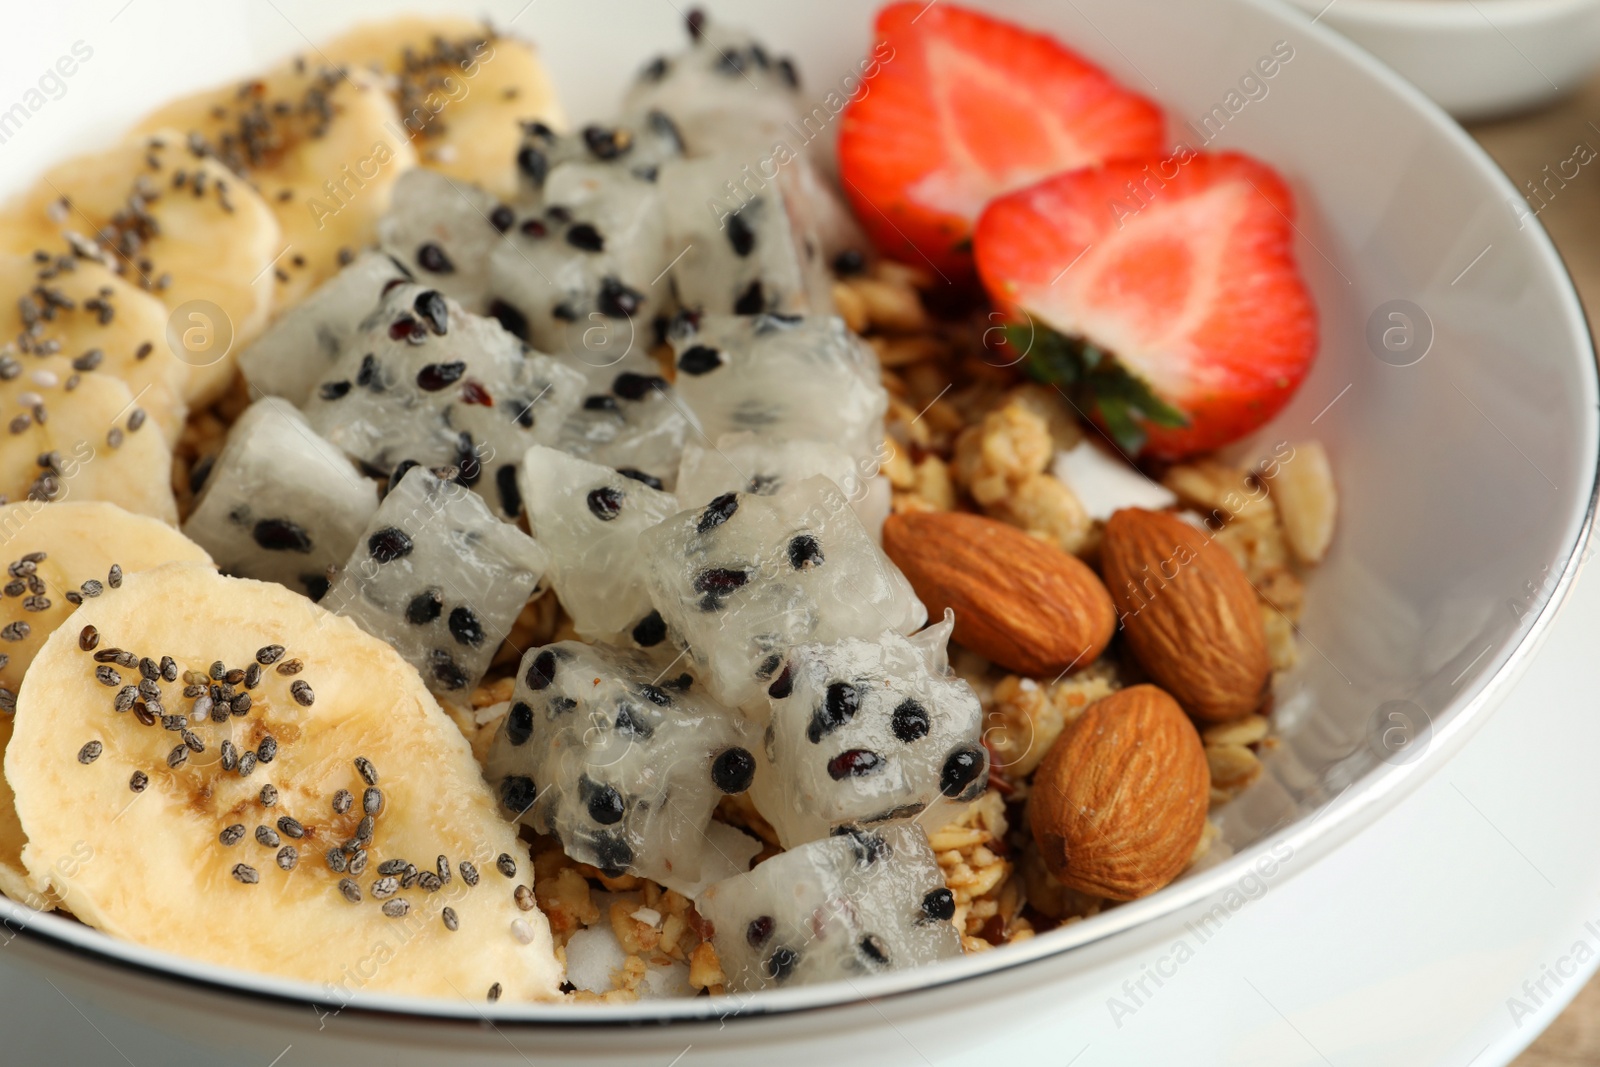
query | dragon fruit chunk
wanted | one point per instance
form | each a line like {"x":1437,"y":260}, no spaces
{"x":865,"y":902}
{"x":297,"y":350}
{"x":636,"y":146}
{"x":623,"y":762}
{"x":725,"y":91}
{"x":281,"y":504}
{"x":862,"y":733}
{"x":745,"y":578}
{"x":580,"y":277}
{"x":746,"y":247}
{"x":589,"y":518}
{"x":637,"y":425}
{"x":443,"y":230}
{"x":428,"y":382}
{"x":796,"y":377}
{"x":730,"y":98}
{"x":439,"y":578}
{"x":760,"y":465}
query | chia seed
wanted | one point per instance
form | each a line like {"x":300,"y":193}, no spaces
{"x":358,"y":861}
{"x":338,"y":862}
{"x":469,"y":872}
{"x":88,"y":638}
{"x":387,"y":886}
{"x":268,"y":655}
{"x":15,"y":631}
{"x":302,"y":693}
{"x":247,"y":763}
{"x":267,"y":836}
{"x":267,"y":751}
{"x":90,"y":751}
{"x":364,"y":767}
{"x":287,"y":857}
{"x":342,"y":800}
{"x":451,"y":923}
{"x":268,"y":795}
{"x":292,"y":666}
{"x":506,"y":865}
{"x":494,"y":992}
{"x":246,"y":873}
{"x":371,"y":800}
{"x":394,"y":909}
{"x":114,"y":576}
{"x":91,"y":588}
{"x":348,"y":887}
{"x":107,"y":676}
{"x":291,"y":827}
{"x":524,"y":897}
{"x":232,"y":835}
{"x":139,"y":781}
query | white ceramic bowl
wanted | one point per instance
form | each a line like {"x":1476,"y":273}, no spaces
{"x":1476,"y":59}
{"x":1467,"y":465}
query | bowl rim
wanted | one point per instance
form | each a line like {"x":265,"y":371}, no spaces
{"x":1363,"y":797}
{"x":1436,"y":15}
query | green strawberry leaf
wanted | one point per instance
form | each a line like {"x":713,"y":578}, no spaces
{"x":1094,"y":381}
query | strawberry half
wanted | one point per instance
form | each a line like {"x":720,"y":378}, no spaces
{"x":958,"y":108}
{"x":1158,"y":284}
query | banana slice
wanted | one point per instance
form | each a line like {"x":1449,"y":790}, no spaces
{"x":184,"y":227}
{"x":51,"y":550}
{"x":323,"y":148}
{"x":462,"y":91}
{"x":77,"y":306}
{"x":67,"y":435}
{"x":119,"y":814}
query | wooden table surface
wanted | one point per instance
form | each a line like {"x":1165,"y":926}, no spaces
{"x":1557,"y":139}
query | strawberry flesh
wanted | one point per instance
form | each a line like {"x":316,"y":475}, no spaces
{"x":958,"y":108}
{"x":1181,"y":267}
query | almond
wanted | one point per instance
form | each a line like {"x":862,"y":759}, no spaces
{"x":1019,"y":602}
{"x":1120,"y":801}
{"x":1191,"y":615}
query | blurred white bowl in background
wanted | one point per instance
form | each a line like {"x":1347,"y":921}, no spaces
{"x":1476,"y":58}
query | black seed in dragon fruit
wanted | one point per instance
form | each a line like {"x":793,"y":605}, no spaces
{"x":281,"y":504}
{"x":436,"y":575}
{"x":638,"y":426}
{"x":636,"y":146}
{"x":868,"y":732}
{"x":427,"y":382}
{"x":617,"y":758}
{"x":751,"y":463}
{"x":444,"y":229}
{"x":581,"y":272}
{"x":783,"y":377}
{"x":746,"y":248}
{"x":296,"y":352}
{"x":589,"y":518}
{"x":745,"y":578}
{"x":846,"y":907}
